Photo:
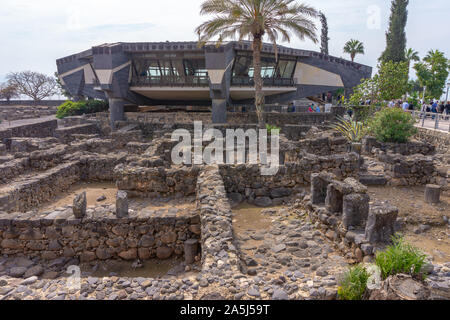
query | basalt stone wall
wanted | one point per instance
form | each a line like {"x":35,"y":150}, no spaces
{"x":29,"y":193}
{"x":157,"y":182}
{"x":36,"y":130}
{"x":65,"y":134}
{"x":219,"y":253}
{"x":98,"y":236}
{"x":410,"y":170}
{"x":439,"y":139}
{"x":405,"y":149}
{"x":247,"y":180}
{"x":21,"y":111}
{"x":321,"y":146}
{"x":100,"y":167}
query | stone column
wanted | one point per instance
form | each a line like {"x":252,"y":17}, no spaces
{"x":355,"y":210}
{"x":219,"y":111}
{"x":122,"y":204}
{"x":80,"y":206}
{"x":116,"y":111}
{"x":190,"y":250}
{"x":432,"y":194}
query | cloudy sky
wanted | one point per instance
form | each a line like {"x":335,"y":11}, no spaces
{"x":35,"y":33}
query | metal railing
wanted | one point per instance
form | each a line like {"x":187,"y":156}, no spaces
{"x":271,"y":82}
{"x":430,"y":120}
{"x":171,"y":81}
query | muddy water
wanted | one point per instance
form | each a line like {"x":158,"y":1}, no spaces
{"x":151,"y":269}
{"x":93,"y":192}
{"x":249,"y":218}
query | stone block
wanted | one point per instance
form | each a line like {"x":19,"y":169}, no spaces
{"x":355,"y":210}
{"x":380,"y":223}
{"x":190,"y":250}
{"x":80,"y":205}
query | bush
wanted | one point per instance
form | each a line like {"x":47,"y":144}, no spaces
{"x":393,"y":125}
{"x":271,"y":128}
{"x":353,"y":283}
{"x":70,"y":108}
{"x":400,"y":257}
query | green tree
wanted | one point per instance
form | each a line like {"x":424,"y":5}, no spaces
{"x":391,"y":82}
{"x":396,"y":36}
{"x":411,"y":55}
{"x":324,"y":38}
{"x":433,"y":72}
{"x":255,"y":19}
{"x":354,"y":47}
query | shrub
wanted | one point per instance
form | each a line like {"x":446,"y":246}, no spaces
{"x":353,"y":131}
{"x":393,"y":125}
{"x":70,"y":108}
{"x":271,"y":128}
{"x":400,"y":257}
{"x":353,"y":283}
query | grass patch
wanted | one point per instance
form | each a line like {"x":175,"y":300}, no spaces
{"x":400,"y":257}
{"x":353,"y":283}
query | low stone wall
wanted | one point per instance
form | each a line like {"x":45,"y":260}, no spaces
{"x":99,"y":236}
{"x":20,"y":111}
{"x":26,"y":194}
{"x":157,"y":182}
{"x":406,"y":149}
{"x":410,"y":170}
{"x":100,"y":167}
{"x":35,"y":130}
{"x":245,"y":182}
{"x":65,"y":135}
{"x":439,"y":139}
{"x":219,"y":253}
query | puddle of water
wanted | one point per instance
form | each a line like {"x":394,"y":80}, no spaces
{"x":93,"y":192}
{"x":247,"y":217}
{"x":151,"y":268}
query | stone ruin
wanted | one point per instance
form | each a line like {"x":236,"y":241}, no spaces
{"x":343,"y":211}
{"x":35,"y":168}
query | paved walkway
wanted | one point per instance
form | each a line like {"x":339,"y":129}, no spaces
{"x":17,"y":123}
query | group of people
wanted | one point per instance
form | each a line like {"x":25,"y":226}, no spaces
{"x":405,"y":105}
{"x":313,"y":108}
{"x":435,"y":107}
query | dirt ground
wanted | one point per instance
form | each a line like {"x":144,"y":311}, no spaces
{"x":415,"y":212}
{"x":109,"y":190}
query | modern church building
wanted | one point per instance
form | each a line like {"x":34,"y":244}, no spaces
{"x":181,"y":73}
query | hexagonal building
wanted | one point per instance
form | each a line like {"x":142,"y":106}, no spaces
{"x":181,"y":73}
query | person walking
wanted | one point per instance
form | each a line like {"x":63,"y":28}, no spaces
{"x":405,"y":106}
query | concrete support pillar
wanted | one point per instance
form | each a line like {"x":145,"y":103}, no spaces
{"x":219,"y":111}
{"x":116,"y":111}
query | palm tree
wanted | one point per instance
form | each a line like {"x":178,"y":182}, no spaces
{"x":353,"y":47}
{"x":411,"y":55}
{"x":253,"y":19}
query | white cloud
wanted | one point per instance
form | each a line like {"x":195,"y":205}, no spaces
{"x":35,"y":33}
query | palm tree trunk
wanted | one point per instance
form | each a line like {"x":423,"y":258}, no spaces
{"x":259,"y":95}
{"x":353,"y":57}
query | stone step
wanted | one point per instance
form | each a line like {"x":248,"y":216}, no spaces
{"x":66,"y":134}
{"x":372,"y":180}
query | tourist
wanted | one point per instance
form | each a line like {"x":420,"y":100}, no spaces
{"x":391,"y":104}
{"x":318,"y":109}
{"x":447,"y":109}
{"x":405,"y":106}
{"x":311,"y":108}
{"x":434,"y":109}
